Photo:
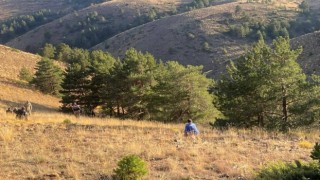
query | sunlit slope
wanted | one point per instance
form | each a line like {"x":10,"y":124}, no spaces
{"x":14,"y":92}
{"x":59,"y":146}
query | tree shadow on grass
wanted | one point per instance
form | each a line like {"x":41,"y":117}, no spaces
{"x":35,"y":106}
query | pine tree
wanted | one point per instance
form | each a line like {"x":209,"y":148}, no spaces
{"x":181,"y":93}
{"x":76,"y":84}
{"x":48,"y":77}
{"x":266,"y":87}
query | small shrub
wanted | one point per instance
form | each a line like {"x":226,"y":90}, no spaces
{"x":190,"y":35}
{"x":25,"y":74}
{"x":130,"y":168}
{"x":67,"y":121}
{"x":206,"y":47}
{"x":288,"y":171}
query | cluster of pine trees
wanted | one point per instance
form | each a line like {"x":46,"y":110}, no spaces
{"x":265,"y":87}
{"x":136,"y":86}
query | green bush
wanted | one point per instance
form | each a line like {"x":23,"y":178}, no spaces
{"x":67,"y":121}
{"x":130,"y":168}
{"x":25,"y":74}
{"x":290,"y":171}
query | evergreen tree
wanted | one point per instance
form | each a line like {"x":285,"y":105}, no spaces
{"x":266,"y":87}
{"x":48,"y":77}
{"x":102,"y":65}
{"x":138,"y":70}
{"x":48,"y":51}
{"x":76,"y":84}
{"x":181,"y":93}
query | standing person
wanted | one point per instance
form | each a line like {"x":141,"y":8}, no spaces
{"x":28,"y":107}
{"x":190,"y":128}
{"x":76,"y":109}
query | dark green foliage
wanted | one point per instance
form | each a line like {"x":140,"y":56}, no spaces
{"x":136,"y":87}
{"x":25,"y":74}
{"x":48,"y":51}
{"x":180,"y":93}
{"x":48,"y":77}
{"x":14,"y":27}
{"x":76,"y":84}
{"x":267,"y":87}
{"x":304,"y":7}
{"x":238,"y":9}
{"x":290,"y":171}
{"x":130,"y":167}
{"x":197,"y":4}
{"x":315,"y":154}
{"x":250,"y":28}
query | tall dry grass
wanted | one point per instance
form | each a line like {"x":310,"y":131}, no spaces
{"x":49,"y":146}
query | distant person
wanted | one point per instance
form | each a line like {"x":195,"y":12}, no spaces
{"x":190,"y":128}
{"x":28,"y":107}
{"x":76,"y":109}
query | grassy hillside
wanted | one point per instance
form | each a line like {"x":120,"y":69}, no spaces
{"x":15,"y":92}
{"x":198,"y":37}
{"x":12,"y":8}
{"x":44,"y":147}
{"x":89,"y":26}
{"x":310,"y":57}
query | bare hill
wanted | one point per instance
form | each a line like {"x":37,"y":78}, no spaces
{"x":197,"y":37}
{"x":110,"y":17}
{"x":14,"y":92}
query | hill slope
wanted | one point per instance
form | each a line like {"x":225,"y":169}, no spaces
{"x":86,"y":27}
{"x":310,"y":57}
{"x":14,"y":92}
{"x":11,"y":8}
{"x":46,"y":147}
{"x":197,"y":37}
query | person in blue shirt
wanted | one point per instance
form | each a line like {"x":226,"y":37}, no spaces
{"x":190,"y":128}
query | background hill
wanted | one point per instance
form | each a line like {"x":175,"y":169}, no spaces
{"x":89,"y":26}
{"x":199,"y":37}
{"x":210,"y":35}
{"x":15,"y":92}
{"x":215,"y":35}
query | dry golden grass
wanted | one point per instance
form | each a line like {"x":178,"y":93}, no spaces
{"x":89,"y":148}
{"x":14,"y":92}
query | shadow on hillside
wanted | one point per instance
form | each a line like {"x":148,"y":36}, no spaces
{"x":35,"y":106}
{"x":15,"y":83}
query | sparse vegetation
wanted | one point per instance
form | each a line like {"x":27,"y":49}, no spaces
{"x":92,"y":147}
{"x":130,"y":167}
{"x":25,"y":74}
{"x":16,"y":26}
